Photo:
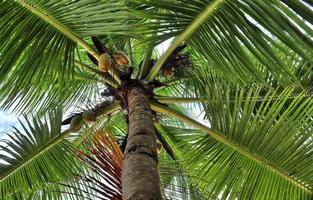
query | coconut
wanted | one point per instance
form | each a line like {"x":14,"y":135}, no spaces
{"x":76,"y":123}
{"x":120,"y":58}
{"x":89,"y":116}
{"x":104,"y":62}
{"x":168,"y":72}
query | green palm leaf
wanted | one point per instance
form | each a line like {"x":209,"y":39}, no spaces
{"x":177,"y":181}
{"x":221,"y":31}
{"x":24,"y":160}
{"x":37,"y":45}
{"x":250,"y":78}
{"x":35,"y":155}
{"x":202,"y":79}
{"x":40,"y":97}
{"x":264,"y":148}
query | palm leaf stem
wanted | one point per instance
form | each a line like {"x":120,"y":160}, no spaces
{"x":96,"y":72}
{"x":36,"y":154}
{"x":145,"y":63}
{"x":174,"y":81}
{"x":130,"y":51}
{"x":172,"y":113}
{"x":60,"y":27}
{"x":179,"y":79}
{"x":183,"y":36}
{"x":59,"y":138}
{"x":173,"y":100}
{"x":160,"y":128}
{"x":178,"y":154}
{"x":84,"y":136}
{"x":63,"y":29}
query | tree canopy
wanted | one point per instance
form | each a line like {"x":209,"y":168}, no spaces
{"x":246,"y":66}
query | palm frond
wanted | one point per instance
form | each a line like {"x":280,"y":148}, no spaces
{"x":37,"y":45}
{"x":221,"y":31}
{"x":41,"y":97}
{"x":87,"y":182}
{"x":74,"y":190}
{"x":34,"y":155}
{"x":202,"y":79}
{"x":272,"y":138}
{"x":105,"y":162}
{"x":218,"y":172}
{"x":177,"y":182}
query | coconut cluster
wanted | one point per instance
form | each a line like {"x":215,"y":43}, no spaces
{"x":78,"y":121}
{"x":106,"y":61}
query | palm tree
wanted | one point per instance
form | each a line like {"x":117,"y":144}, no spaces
{"x":245,"y":66}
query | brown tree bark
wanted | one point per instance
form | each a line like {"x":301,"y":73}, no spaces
{"x":140,"y":177}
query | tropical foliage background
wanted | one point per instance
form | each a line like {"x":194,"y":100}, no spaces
{"x":250,"y":77}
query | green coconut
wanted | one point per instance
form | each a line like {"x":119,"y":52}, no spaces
{"x":89,"y":116}
{"x":76,"y":123}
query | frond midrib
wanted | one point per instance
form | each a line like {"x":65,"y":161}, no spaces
{"x":183,"y":36}
{"x":170,"y":112}
{"x":56,"y":140}
{"x":174,"y":100}
{"x":64,"y":30}
{"x":59,"y":26}
{"x":36,"y":154}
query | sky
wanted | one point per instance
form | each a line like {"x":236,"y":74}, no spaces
{"x":7,"y":120}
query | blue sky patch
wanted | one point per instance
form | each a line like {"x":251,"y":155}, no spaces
{"x":7,"y":120}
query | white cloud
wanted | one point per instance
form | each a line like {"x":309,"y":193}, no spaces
{"x":7,"y":120}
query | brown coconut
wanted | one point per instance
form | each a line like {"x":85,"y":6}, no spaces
{"x":121,"y":58}
{"x":104,"y":62}
{"x":168,"y":72}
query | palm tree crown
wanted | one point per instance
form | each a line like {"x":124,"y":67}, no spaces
{"x":94,"y":94}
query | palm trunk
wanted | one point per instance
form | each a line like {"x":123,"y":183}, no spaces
{"x":140,"y":177}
